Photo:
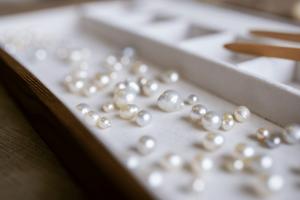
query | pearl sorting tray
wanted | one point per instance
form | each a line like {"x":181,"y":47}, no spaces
{"x":189,"y":37}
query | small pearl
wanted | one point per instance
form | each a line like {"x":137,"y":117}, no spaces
{"x":62,"y":53}
{"x":170,"y":101}
{"x":112,"y":64}
{"x":200,"y":164}
{"x":198,"y":185}
{"x":133,"y":85}
{"x":211,"y":121}
{"x":235,"y":164}
{"x":262,"y":134}
{"x":113,"y":75}
{"x":242,"y":114}
{"x":143,"y":118}
{"x":83,"y":66}
{"x":91,"y":118}
{"x":261,"y":163}
{"x":68,"y":79}
{"x":155,"y":179}
{"x":131,"y":160}
{"x":101,"y":80}
{"x":269,"y":184}
{"x":108,"y":107}
{"x":171,"y":161}
{"x":119,"y":86}
{"x":128,"y":51}
{"x":81,"y":109}
{"x":150,"y":88}
{"x":213,"y":141}
{"x":124,"y":60}
{"x":146,"y":145}
{"x":129,"y":111}
{"x":243,"y":151}
{"x":124,"y":96}
{"x":75,"y":56}
{"x":142,"y":81}
{"x":139,"y":68}
{"x":170,"y":76}
{"x":89,"y":90}
{"x":197,"y":112}
{"x":104,"y":123}
{"x":192,"y":99}
{"x":291,"y":133}
{"x":80,"y":74}
{"x":86,"y":53}
{"x":227,"y":122}
{"x":40,"y":54}
{"x":76,"y":86}
{"x":273,"y":141}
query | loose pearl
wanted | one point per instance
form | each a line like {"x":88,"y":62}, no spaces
{"x":170,"y":76}
{"x":108,"y":107}
{"x":261,"y":163}
{"x":242,"y":114}
{"x":133,"y":85}
{"x":192,"y":99}
{"x":131,"y":160}
{"x":155,"y":179}
{"x":146,"y":145}
{"x":150,"y":88}
{"x":291,"y":133}
{"x":142,"y":81}
{"x":143,"y":118}
{"x":227,"y":122}
{"x":91,"y":118}
{"x":262,"y":134}
{"x":139,"y":68}
{"x":68,"y":79}
{"x":76,"y":86}
{"x":81,"y":109}
{"x":86,"y":53}
{"x":269,"y":184}
{"x":89,"y":90}
{"x":124,"y":96}
{"x":213,"y":141}
{"x":112,"y":64}
{"x":75,"y":56}
{"x":235,"y":164}
{"x":197,"y":112}
{"x":170,"y":101}
{"x":83,"y":66}
{"x":128,"y":51}
{"x":171,"y":161}
{"x":129,"y":111}
{"x":80,"y":74}
{"x":200,"y":164}
{"x":273,"y":141}
{"x":40,"y":54}
{"x":101,"y":80}
{"x":244,"y":151}
{"x":198,"y":185}
{"x":62,"y":53}
{"x":104,"y":123}
{"x":119,"y":86}
{"x":211,"y":121}
{"x":113,"y":75}
{"x":124,"y":60}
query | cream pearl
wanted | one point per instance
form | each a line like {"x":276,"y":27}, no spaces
{"x":130,"y":52}
{"x":75,"y":86}
{"x":119,"y":86}
{"x":133,"y":85}
{"x":131,"y":160}
{"x":81,"y":109}
{"x":262,"y":134}
{"x":142,"y":81}
{"x":198,"y":185}
{"x":170,"y":76}
{"x":101,"y":80}
{"x":124,"y":96}
{"x":197,"y":112}
{"x":200,"y":164}
{"x":129,"y":111}
{"x":211,"y":121}
{"x":150,"y":88}
{"x":244,"y":151}
{"x":170,"y":101}
{"x":269,"y":184}
{"x":124,"y":60}
{"x":192,"y":99}
{"x":108,"y":107}
{"x":146,"y":145}
{"x":40,"y":54}
{"x":171,"y":161}
{"x":104,"y":123}
{"x":75,"y":56}
{"x":139,"y":68}
{"x":242,"y":114}
{"x":273,"y":141}
{"x":68,"y":79}
{"x":113,"y":75}
{"x":91,"y":118}
{"x":85,"y":53}
{"x":227,"y":122}
{"x":213,"y":141}
{"x":155,"y":179}
{"x":291,"y":133}
{"x":143,"y":118}
{"x":80,"y":74}
{"x":235,"y":164}
{"x":83,"y":66}
{"x":89,"y":90}
{"x":261,"y":163}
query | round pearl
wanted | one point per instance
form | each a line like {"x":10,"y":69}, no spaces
{"x":235,"y":164}
{"x":273,"y":141}
{"x":131,"y":160}
{"x":197,"y":112}
{"x":170,"y":101}
{"x":269,"y":184}
{"x":143,"y":118}
{"x":89,"y":90}
{"x":68,"y":79}
{"x":85,"y":53}
{"x":192,"y":99}
{"x":127,"y":51}
{"x":108,"y":107}
{"x":198,"y":185}
{"x":81,"y":109}
{"x":112,"y":64}
{"x":155,"y":179}
{"x":76,"y":86}
{"x":113,"y":75}
{"x":261,"y":163}
{"x":146,"y":145}
{"x":119,"y":86}
{"x":200,"y":164}
{"x":171,"y":161}
{"x":75,"y":56}
{"x":62,"y":53}
{"x":124,"y":60}
{"x":83,"y":66}
{"x":242,"y":114}
{"x":150,"y":88}
{"x":91,"y":118}
{"x":40,"y":54}
{"x":104,"y":123}
{"x":291,"y":133}
{"x":133,"y":85}
{"x":211,"y":121}
{"x":170,"y":76}
{"x":213,"y":141}
{"x":142,"y":81}
{"x":139,"y":68}
{"x":227,"y":122}
{"x":80,"y":74}
{"x":262,"y":134}
{"x":101,"y":80}
{"x":129,"y":111}
{"x":124,"y":96}
{"x":243,"y":151}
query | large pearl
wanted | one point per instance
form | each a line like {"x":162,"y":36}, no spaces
{"x":273,"y":141}
{"x":91,"y":118}
{"x":242,"y":114}
{"x":235,"y":164}
{"x":170,"y":76}
{"x":261,"y":163}
{"x":80,"y":74}
{"x":197,"y":112}
{"x":200,"y":164}
{"x":124,"y":96}
{"x":262,"y":134}
{"x":171,"y":161}
{"x":104,"y":123}
{"x":101,"y":80}
{"x":244,"y":151}
{"x":146,"y":145}
{"x":89,"y":90}
{"x":108,"y":107}
{"x":170,"y":101}
{"x":211,"y":121}
{"x":269,"y":184}
{"x":213,"y":141}
{"x":143,"y":118}
{"x":81,"y":109}
{"x":198,"y":185}
{"x":76,"y":86}
{"x":291,"y":133}
{"x":129,"y":111}
{"x":155,"y":179}
{"x":139,"y":68}
{"x":192,"y":99}
{"x":150,"y":88}
{"x":133,"y":85}
{"x":227,"y":122}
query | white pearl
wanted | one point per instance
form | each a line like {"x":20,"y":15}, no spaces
{"x":89,"y":90}
{"x":91,"y":118}
{"x":128,"y":51}
{"x":273,"y":141}
{"x":291,"y":133}
{"x":211,"y":121}
{"x":150,"y":88}
{"x":146,"y":145}
{"x":83,"y":66}
{"x":235,"y":164}
{"x":198,"y":185}
{"x":68,"y":79}
{"x":119,"y":86}
{"x":227,"y":122}
{"x":269,"y":184}
{"x":75,"y":56}
{"x":62,"y":53}
{"x":143,"y":118}
{"x":86,"y":53}
{"x":170,"y":76}
{"x":112,"y":64}
{"x":129,"y":111}
{"x":262,"y":134}
{"x":133,"y":85}
{"x":80,"y":74}
{"x":131,"y":160}
{"x":170,"y":101}
{"x":101,"y":80}
{"x":81,"y":109}
{"x":76,"y":86}
{"x":243,"y":151}
{"x":139,"y":68}
{"x":261,"y":163}
{"x":40,"y":54}
{"x":104,"y":123}
{"x":113,"y":75}
{"x":171,"y":161}
{"x":142,"y":81}
{"x":108,"y":107}
{"x":213,"y":141}
{"x":155,"y":179}
{"x":192,"y":99}
{"x":200,"y":164}
{"x":242,"y":114}
{"x":124,"y":96}
{"x":124,"y":60}
{"x":197,"y":112}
